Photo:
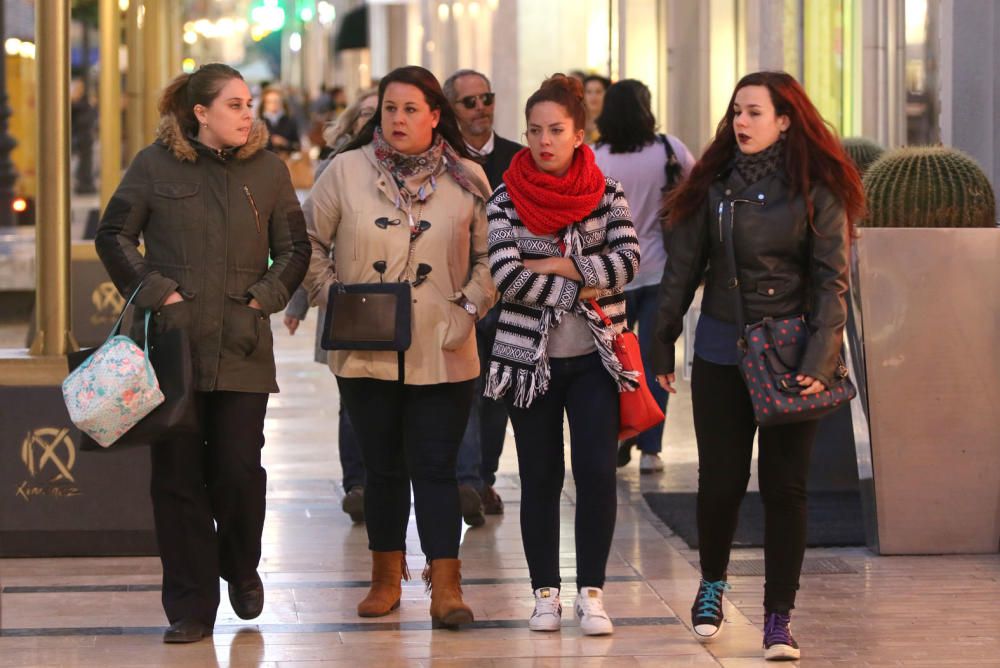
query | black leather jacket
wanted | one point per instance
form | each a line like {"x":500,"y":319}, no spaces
{"x":785,"y":268}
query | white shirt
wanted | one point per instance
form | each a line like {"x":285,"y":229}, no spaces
{"x":642,"y":176}
{"x":485,"y":150}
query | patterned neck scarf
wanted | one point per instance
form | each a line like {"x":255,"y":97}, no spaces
{"x":755,"y":166}
{"x":416,"y":175}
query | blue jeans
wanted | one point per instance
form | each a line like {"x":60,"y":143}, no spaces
{"x":482,"y":443}
{"x":641,"y":306}
{"x":581,"y":389}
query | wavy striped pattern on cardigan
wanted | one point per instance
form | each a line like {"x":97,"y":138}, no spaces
{"x":605,"y":250}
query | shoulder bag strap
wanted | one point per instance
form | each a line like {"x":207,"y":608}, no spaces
{"x":667,"y":171}
{"x":593,"y":302}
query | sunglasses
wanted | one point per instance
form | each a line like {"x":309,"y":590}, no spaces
{"x":469,"y":101}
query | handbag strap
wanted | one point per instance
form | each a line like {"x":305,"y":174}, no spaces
{"x":145,"y":349}
{"x":116,"y":330}
{"x":600,"y":312}
{"x":593,"y":302}
{"x":668,"y":166}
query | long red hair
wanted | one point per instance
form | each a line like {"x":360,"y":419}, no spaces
{"x":813,"y":154}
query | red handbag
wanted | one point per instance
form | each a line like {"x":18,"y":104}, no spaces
{"x":638,"y":410}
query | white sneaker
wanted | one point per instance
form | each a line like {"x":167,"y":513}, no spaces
{"x":650,"y":463}
{"x":594,"y":621}
{"x":548,"y":610}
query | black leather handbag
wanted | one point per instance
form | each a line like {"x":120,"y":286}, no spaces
{"x":771,"y":352}
{"x":367,"y":316}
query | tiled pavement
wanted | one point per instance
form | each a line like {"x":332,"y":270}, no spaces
{"x":910,"y":611}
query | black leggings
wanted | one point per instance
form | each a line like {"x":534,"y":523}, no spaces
{"x":724,"y":426}
{"x":583,"y":389}
{"x":410,"y":433}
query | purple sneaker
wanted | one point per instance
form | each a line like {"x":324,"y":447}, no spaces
{"x":779,"y":645}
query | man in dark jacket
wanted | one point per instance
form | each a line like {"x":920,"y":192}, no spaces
{"x":473,"y":100}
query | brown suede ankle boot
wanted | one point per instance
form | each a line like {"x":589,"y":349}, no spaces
{"x":444,"y":581}
{"x":388,"y":569}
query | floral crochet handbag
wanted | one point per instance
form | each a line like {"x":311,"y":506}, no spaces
{"x":114,"y":388}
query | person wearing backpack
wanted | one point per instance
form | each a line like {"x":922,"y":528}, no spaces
{"x":648,"y":165}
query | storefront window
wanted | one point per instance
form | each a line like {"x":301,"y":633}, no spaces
{"x":922,"y":125}
{"x":819,"y":40}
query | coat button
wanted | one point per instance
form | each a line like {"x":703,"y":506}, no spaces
{"x":770,"y":291}
{"x":729,"y":191}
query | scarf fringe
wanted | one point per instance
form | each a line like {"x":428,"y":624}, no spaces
{"x":497,"y":380}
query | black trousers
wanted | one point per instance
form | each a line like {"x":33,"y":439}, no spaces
{"x":410,"y":433}
{"x":208,"y":503}
{"x":724,"y":426}
{"x":581,"y":388}
{"x":350,"y":452}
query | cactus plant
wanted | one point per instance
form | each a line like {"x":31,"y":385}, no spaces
{"x":862,"y":152}
{"x":928,"y":186}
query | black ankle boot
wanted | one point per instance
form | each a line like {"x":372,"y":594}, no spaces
{"x":186,"y":631}
{"x":247,"y":597}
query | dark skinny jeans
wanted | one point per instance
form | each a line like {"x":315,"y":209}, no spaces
{"x":409,"y":433}
{"x":724,"y":426}
{"x":583,"y":389}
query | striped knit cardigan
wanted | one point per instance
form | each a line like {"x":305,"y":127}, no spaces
{"x":605,"y":250}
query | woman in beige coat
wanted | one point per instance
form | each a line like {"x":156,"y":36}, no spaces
{"x":405,"y":178}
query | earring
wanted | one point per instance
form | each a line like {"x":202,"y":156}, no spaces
{"x":204,"y":125}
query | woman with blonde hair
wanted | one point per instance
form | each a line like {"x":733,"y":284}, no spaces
{"x":338,"y":133}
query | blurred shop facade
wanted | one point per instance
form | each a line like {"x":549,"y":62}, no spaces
{"x":895,"y":71}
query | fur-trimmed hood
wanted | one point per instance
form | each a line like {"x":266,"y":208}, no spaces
{"x":171,"y":135}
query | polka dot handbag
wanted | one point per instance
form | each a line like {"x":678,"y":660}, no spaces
{"x":772,"y":350}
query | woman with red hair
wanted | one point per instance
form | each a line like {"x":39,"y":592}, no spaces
{"x":776,"y":182}
{"x":562,"y":248}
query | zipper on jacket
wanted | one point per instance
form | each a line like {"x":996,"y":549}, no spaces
{"x":253,"y":205}
{"x":732,"y":212}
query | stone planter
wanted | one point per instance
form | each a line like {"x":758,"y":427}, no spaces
{"x":924,"y":353}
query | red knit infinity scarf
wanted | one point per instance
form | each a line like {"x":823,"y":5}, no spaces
{"x":547,"y":203}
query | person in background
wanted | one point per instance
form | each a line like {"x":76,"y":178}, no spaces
{"x":594,"y":87}
{"x":648,"y":165}
{"x":283,"y":129}
{"x":403,"y":202}
{"x":337,"y":135}
{"x":211,"y":208}
{"x":474,"y":102}
{"x":560,"y":240}
{"x":777,"y":177}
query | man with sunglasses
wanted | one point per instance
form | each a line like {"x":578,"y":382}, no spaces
{"x":473,"y":100}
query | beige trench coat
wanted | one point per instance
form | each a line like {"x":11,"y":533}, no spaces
{"x":340,"y":214}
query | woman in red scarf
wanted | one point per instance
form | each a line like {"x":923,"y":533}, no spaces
{"x":560,"y":235}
